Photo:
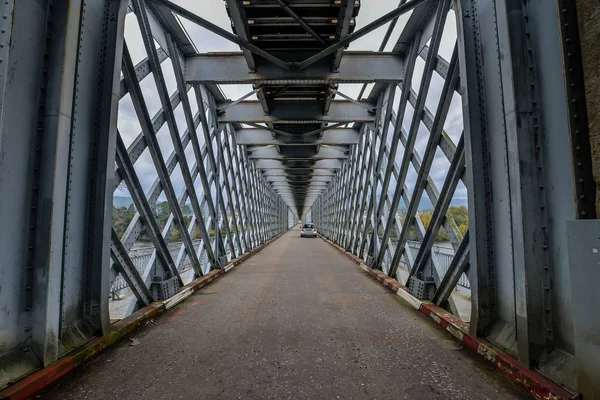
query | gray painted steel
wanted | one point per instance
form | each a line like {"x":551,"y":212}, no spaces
{"x":499,"y":126}
{"x":295,"y":112}
{"x":355,"y":67}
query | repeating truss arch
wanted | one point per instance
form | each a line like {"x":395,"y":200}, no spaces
{"x":454,"y":156}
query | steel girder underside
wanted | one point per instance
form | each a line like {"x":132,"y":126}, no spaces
{"x":463,"y":102}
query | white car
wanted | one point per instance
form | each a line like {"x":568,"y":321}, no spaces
{"x":308,"y":230}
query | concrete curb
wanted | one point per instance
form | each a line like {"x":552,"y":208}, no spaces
{"x":41,"y":379}
{"x":533,"y":382}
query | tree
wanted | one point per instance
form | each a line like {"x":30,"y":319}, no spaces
{"x":121,"y":217}
{"x":460,"y":215}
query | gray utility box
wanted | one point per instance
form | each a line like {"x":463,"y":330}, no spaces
{"x":421,"y":289}
{"x":222,"y":261}
{"x":584,"y":265}
{"x":163,"y":289}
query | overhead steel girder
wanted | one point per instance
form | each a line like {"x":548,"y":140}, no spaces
{"x":301,"y":193}
{"x":298,"y":185}
{"x":297,"y":112}
{"x":328,"y":164}
{"x":356,"y":67}
{"x":300,"y":178}
{"x":299,"y":172}
{"x":340,"y":136}
{"x":297,"y":152}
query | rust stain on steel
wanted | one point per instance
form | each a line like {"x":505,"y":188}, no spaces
{"x":32,"y":384}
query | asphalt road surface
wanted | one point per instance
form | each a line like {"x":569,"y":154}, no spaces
{"x":296,"y":321}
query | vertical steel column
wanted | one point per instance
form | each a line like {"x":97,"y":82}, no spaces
{"x":349,"y":208}
{"x":357,"y":188}
{"x":223,"y":153}
{"x":354,"y":228}
{"x":249,"y":187}
{"x":511,"y":104}
{"x":58,"y":90}
{"x":249,"y":243}
{"x":359,"y":238}
{"x":387,"y":115}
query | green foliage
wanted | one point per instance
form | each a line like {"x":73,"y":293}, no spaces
{"x":460,"y":215}
{"x":122,"y":216}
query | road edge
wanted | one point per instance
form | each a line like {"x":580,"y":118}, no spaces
{"x":32,"y":384}
{"x":533,"y":382}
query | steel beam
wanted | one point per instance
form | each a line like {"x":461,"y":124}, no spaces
{"x":316,"y":165}
{"x":355,"y":67}
{"x":340,"y":136}
{"x":297,"y":153}
{"x":236,"y":11}
{"x":221,"y":32}
{"x":295,"y":112}
{"x":343,"y":42}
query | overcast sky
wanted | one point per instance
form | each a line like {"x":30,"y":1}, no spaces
{"x":205,"y":41}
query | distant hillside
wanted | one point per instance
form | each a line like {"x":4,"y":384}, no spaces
{"x":122,"y":201}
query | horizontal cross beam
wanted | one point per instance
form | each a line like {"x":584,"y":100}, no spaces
{"x":312,"y":173}
{"x":341,"y":136}
{"x":317,"y":165}
{"x":300,"y":179}
{"x":355,"y":67}
{"x":296,"y":152}
{"x":295,"y":112}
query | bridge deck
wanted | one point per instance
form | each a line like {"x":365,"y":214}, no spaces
{"x":297,"y":320}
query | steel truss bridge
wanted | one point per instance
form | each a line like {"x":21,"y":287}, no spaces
{"x":459,"y":99}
